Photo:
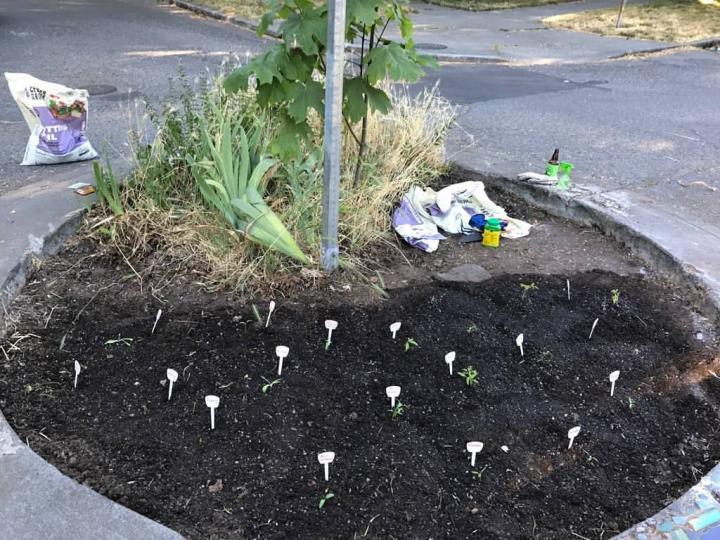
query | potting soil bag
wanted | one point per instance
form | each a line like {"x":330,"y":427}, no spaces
{"x":57,"y":118}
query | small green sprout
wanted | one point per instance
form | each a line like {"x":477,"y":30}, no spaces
{"x":631,"y":402}
{"x":398,"y":410}
{"x":527,"y":287}
{"x":120,"y":340}
{"x":266,"y":387}
{"x":615,"y":296}
{"x":589,"y":457}
{"x":327,"y":344}
{"x":325,"y":498}
{"x":410,"y":344}
{"x":256,"y":313}
{"x":470,"y":375}
{"x":472,"y":328}
{"x":478,"y":474}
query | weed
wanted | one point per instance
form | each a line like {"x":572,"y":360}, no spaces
{"x":410,"y":344}
{"x":124,"y":341}
{"x":325,"y":498}
{"x":108,"y":188}
{"x":398,"y":410}
{"x":527,"y":287}
{"x":615,"y":296}
{"x":470,"y":375}
{"x":269,"y":384}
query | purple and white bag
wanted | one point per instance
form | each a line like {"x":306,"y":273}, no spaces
{"x":57,"y":118}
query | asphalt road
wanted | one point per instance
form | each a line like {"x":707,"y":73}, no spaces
{"x":135,"y":46}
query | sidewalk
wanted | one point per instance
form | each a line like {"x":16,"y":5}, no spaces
{"x":517,"y":35}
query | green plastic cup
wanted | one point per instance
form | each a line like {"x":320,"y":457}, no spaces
{"x":551,"y":170}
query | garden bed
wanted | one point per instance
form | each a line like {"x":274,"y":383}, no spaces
{"x":257,"y":473}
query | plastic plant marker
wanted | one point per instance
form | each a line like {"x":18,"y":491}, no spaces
{"x":504,"y":449}
{"x":449,"y":359}
{"x":172,"y":376}
{"x":77,"y":373}
{"x":325,"y":459}
{"x":392,"y":392}
{"x":568,"y":288}
{"x":473,"y":447}
{"x":613,"y":377}
{"x":212,"y":402}
{"x":330,"y":325}
{"x":574,"y":432}
{"x":519,"y":342}
{"x":593,"y":328}
{"x":394,"y":327}
{"x":270,"y":312}
{"x":157,"y":318}
{"x":281,"y":351}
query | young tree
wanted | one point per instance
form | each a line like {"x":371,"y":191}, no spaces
{"x":287,"y":75}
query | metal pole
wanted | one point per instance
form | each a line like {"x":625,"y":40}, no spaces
{"x":335,"y":63}
{"x":620,"y":14}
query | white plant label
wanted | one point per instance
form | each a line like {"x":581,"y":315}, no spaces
{"x":593,"y":328}
{"x":213,"y":402}
{"x":613,"y":378}
{"x":330,"y":325}
{"x":77,"y":374}
{"x":281,"y":351}
{"x":574,"y":432}
{"x":270,"y":312}
{"x":172,"y":376}
{"x":325,"y":459}
{"x":474,"y":447}
{"x":157,"y":318}
{"x":392,"y":392}
{"x":519,"y":342}
{"x":568,"y":289}
{"x":449,"y":359}
{"x":394,"y":327}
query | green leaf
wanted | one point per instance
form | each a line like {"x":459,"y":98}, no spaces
{"x":270,"y":94}
{"x":295,"y":65}
{"x":290,"y":137}
{"x":364,"y":12}
{"x":305,"y":31}
{"x":302,"y":96}
{"x":392,"y":61}
{"x":354,"y":91}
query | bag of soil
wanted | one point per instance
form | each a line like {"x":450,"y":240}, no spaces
{"x":57,"y":118}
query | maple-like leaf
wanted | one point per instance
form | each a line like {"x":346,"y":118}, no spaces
{"x":305,"y":30}
{"x":354,"y":92}
{"x":392,"y":61}
{"x":302,"y":96}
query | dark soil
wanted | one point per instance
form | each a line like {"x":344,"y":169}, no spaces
{"x":257,"y":474}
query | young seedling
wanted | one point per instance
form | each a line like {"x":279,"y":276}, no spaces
{"x":77,"y":374}
{"x":474,"y":447}
{"x":615,"y":296}
{"x":631,"y":403}
{"x":330,"y":325}
{"x":398,"y":410}
{"x":269,"y":384}
{"x":526,"y":287}
{"x":120,"y":340}
{"x":157,"y":318}
{"x":325,"y":498}
{"x":568,"y":288}
{"x":281,"y":351}
{"x":572,"y":433}
{"x":325,"y":459}
{"x":449,"y":359}
{"x":410,"y":344}
{"x":256,"y":314}
{"x":472,"y":328}
{"x":394,"y":327}
{"x":519,"y":342}
{"x":593,"y":328}
{"x":470,"y":375}
{"x":392,"y":392}
{"x":172,"y":376}
{"x":270,"y":312}
{"x":213,"y":402}
{"x":613,"y":378}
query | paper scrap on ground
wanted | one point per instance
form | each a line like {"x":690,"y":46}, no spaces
{"x":57,"y":118}
{"x":421,"y":212}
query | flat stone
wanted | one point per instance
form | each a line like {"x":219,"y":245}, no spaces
{"x":465,"y":273}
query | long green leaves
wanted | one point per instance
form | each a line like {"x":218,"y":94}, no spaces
{"x":108,"y":189}
{"x":231,"y":180}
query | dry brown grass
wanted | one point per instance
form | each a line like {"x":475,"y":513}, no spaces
{"x":250,"y":9}
{"x":679,"y":21}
